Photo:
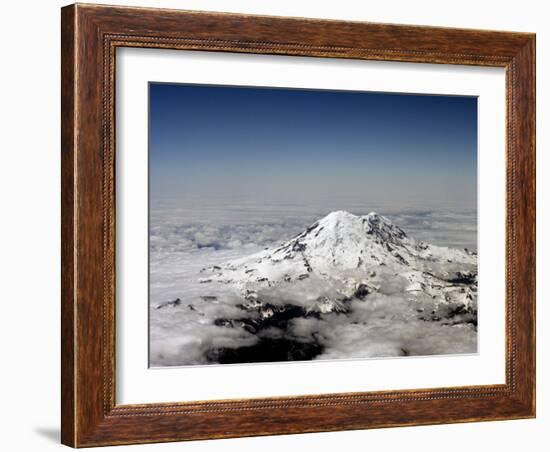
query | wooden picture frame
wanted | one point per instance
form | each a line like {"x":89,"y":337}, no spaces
{"x":90,"y":36}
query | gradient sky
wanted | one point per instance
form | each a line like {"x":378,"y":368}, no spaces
{"x":290,"y":145}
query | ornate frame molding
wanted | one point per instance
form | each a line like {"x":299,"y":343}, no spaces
{"x":90,"y":36}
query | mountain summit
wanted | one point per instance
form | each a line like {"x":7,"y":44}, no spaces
{"x":346,"y":241}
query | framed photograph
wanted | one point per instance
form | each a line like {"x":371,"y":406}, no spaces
{"x":281,"y":225}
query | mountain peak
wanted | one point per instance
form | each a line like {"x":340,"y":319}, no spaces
{"x":335,"y":218}
{"x":344,"y":215}
{"x":373,"y":224}
{"x":339,"y":214}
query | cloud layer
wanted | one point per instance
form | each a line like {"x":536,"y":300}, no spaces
{"x":184,"y":239}
{"x":234,"y":227}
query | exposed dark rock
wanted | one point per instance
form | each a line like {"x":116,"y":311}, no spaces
{"x":249,"y":325}
{"x":298,"y":247}
{"x":169,"y":304}
{"x":362,"y":291}
{"x":451,"y":315}
{"x":463,"y":278}
{"x":270,"y":315}
{"x":209,"y":298}
{"x":338,"y":306}
{"x":401,"y":259}
{"x":279,"y":316}
{"x":312,"y":227}
{"x":267,"y":350}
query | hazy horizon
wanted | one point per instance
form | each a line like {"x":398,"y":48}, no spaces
{"x":293,"y":146}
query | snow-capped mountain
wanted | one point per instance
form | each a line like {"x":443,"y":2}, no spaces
{"x":358,"y":255}
{"x":347,"y":286}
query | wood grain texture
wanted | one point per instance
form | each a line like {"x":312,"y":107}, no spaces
{"x":67,"y":225}
{"x":90,"y":36}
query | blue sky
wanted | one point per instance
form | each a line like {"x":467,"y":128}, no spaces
{"x":290,"y":145}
